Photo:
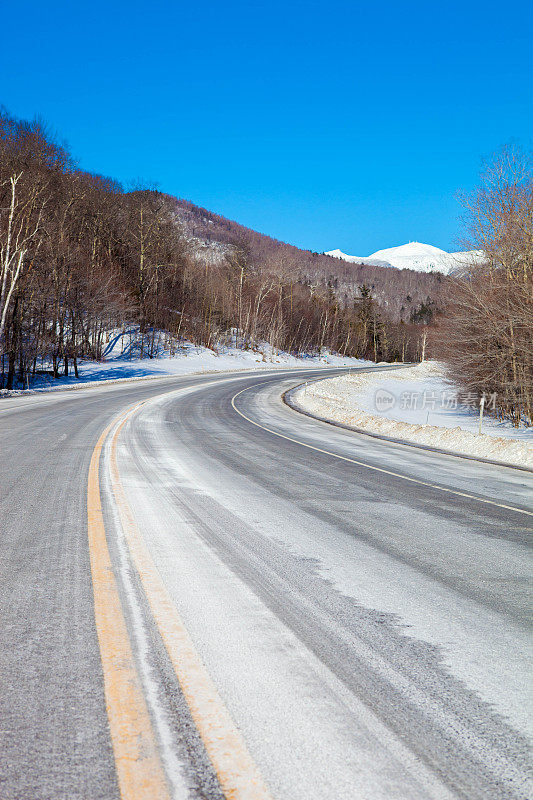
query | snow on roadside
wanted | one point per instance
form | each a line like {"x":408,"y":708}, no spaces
{"x":416,"y":404}
{"x":118,"y":366}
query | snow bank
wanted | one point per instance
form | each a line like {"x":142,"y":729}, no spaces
{"x":418,"y":405}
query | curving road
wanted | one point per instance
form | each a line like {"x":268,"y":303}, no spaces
{"x":305,"y":611}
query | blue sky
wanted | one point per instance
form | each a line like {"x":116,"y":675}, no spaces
{"x":326,"y":124}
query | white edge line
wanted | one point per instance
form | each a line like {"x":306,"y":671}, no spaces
{"x":370,"y":466}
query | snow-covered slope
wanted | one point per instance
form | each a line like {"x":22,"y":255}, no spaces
{"x":122,"y":361}
{"x":417,"y":256}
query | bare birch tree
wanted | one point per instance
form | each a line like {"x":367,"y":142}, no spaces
{"x":19,"y":235}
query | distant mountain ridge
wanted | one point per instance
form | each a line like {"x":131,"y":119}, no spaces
{"x":416,"y":256}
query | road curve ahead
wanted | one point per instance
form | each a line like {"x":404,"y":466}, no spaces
{"x":205,"y":594}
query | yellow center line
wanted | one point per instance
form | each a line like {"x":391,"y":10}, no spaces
{"x":236,"y":771}
{"x":370,"y":466}
{"x":139,"y":770}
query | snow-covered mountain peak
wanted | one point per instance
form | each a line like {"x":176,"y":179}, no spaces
{"x":409,"y":250}
{"x":339,"y":254}
{"x":416,"y":256}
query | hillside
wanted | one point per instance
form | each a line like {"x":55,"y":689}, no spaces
{"x":402,"y":293}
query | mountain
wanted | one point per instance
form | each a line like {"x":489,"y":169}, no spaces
{"x":416,"y":256}
{"x":401,"y":292}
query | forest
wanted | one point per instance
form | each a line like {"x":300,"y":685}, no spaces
{"x":402,"y":293}
{"x":80,"y":258}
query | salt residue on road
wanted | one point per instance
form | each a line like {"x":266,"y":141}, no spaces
{"x":416,"y":404}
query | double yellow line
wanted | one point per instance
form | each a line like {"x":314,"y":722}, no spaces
{"x":140,"y":771}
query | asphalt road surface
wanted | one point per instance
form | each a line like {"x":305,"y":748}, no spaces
{"x":229,"y":599}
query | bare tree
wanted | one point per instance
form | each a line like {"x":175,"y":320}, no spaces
{"x":23,"y":217}
{"x":486,"y":337}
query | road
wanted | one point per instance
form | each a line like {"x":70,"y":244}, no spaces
{"x":221,"y":597}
